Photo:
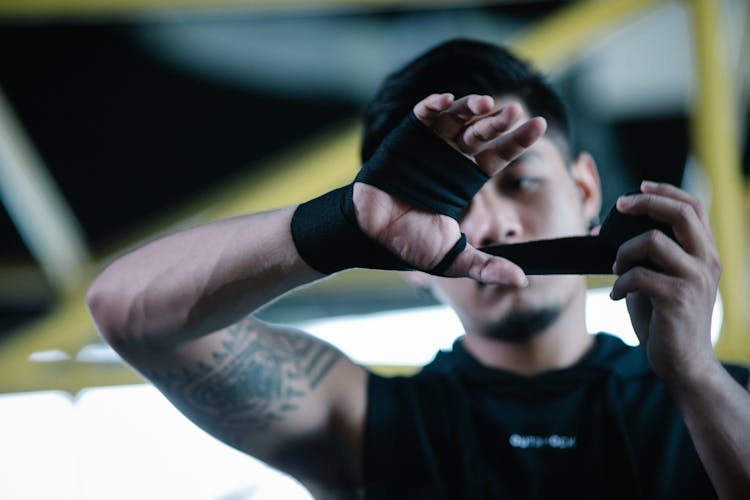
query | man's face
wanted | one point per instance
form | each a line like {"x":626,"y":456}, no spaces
{"x":536,"y":197}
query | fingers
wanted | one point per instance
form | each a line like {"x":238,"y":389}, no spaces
{"x":689,"y":230}
{"x":475,"y":126}
{"x":429,"y":108}
{"x":453,"y":120}
{"x":685,"y":290}
{"x":486,"y":268}
{"x":482,"y":132}
{"x":664,"y":189}
{"x":688,"y":264}
{"x":510,"y":145}
{"x":656,"y":248}
{"x":447,"y":117}
{"x":496,"y":140}
{"x":648,"y":282}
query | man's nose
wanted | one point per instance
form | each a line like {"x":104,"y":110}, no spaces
{"x":491,"y":220}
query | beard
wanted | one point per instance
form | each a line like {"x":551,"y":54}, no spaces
{"x":521,"y":326}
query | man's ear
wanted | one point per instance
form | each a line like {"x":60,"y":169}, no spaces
{"x":586,"y":177}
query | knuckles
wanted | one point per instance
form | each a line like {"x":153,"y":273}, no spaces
{"x":686,"y":212}
{"x":654,"y":240}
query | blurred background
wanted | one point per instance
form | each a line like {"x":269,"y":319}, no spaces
{"x":121,"y":120}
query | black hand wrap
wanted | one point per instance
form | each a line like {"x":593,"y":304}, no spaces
{"x":418,"y":167}
{"x":412,"y":164}
{"x":580,"y":254}
{"x":328,"y":239}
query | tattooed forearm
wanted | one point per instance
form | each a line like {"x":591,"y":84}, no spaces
{"x":253,"y":381}
{"x":320,"y":365}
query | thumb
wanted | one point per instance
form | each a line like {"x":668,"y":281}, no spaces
{"x":486,"y":268}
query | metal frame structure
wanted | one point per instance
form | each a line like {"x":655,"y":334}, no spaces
{"x":330,"y":161}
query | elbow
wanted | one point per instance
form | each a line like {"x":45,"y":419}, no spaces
{"x":106,"y":309}
{"x":110,"y":309}
{"x":119,"y":314}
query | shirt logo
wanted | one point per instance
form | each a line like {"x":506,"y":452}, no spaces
{"x":552,"y":441}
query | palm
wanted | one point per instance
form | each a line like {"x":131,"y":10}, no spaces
{"x":420,"y":238}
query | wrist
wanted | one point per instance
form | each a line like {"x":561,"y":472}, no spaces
{"x":328,"y":238}
{"x":694,"y":377}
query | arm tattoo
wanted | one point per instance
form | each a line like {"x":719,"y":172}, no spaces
{"x":253,"y":381}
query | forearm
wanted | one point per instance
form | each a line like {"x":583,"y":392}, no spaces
{"x":196,"y":281}
{"x":716,"y":410}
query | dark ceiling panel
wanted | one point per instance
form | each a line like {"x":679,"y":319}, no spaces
{"x":124,"y":135}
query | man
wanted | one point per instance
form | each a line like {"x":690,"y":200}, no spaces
{"x":528,"y":404}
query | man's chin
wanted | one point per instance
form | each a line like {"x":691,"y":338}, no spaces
{"x":521,"y":326}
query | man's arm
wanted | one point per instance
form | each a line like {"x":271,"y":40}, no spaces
{"x":716,"y":410}
{"x":194,"y":282}
{"x":670,"y":309}
{"x":178,"y":309}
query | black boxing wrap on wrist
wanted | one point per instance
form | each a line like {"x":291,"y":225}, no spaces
{"x":328,"y":238}
{"x":418,"y":167}
{"x":327,"y":223}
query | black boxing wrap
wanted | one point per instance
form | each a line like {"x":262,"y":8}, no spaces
{"x":328,"y":238}
{"x":412,"y":164}
{"x":416,"y":166}
{"x":580,"y":254}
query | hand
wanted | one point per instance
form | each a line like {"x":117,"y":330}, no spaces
{"x":670,"y":309}
{"x":491,"y":137}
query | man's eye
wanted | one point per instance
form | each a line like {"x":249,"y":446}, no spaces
{"x":521,"y":183}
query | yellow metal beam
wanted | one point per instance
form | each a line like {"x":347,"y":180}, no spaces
{"x":716,"y":145}
{"x":553,"y":42}
{"x":69,"y":376}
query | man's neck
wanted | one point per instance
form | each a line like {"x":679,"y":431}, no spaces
{"x":561,"y":345}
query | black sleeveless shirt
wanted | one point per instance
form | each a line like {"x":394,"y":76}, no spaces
{"x":603,"y":428}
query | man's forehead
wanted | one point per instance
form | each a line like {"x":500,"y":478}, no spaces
{"x":526,"y":156}
{"x":542,"y":151}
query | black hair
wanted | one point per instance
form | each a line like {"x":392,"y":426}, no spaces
{"x":464,"y":67}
